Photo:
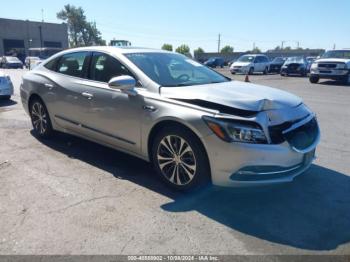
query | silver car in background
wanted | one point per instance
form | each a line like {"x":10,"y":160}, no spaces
{"x":194,"y":124}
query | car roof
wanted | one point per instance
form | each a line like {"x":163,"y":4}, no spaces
{"x":344,"y":49}
{"x":118,"y":50}
{"x":255,"y":55}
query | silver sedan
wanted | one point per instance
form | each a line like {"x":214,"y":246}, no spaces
{"x":195,"y":125}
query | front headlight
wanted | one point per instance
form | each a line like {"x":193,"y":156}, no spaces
{"x":236,"y":131}
{"x":342,"y":66}
{"x":314,"y":66}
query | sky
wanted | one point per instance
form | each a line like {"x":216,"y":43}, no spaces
{"x":197,"y":23}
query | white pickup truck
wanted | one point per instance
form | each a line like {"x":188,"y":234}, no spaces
{"x":334,"y":64}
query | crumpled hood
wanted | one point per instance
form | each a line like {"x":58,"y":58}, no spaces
{"x":235,"y":94}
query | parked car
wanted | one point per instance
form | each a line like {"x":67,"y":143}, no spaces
{"x":6,"y":86}
{"x":11,"y":62}
{"x":334,"y":64}
{"x":215,"y":62}
{"x":309,"y":61}
{"x":295,"y":65}
{"x":32,"y":61}
{"x":194,"y":124}
{"x":231,"y":62}
{"x":250,"y":64}
{"x":276,"y":64}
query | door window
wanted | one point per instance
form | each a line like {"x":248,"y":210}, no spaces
{"x":73,"y":64}
{"x":104,"y":68}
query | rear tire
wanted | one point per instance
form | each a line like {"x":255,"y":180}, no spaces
{"x":314,"y":79}
{"x":40,"y":118}
{"x":180,"y":158}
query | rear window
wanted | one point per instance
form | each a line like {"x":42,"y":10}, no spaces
{"x":52,"y":64}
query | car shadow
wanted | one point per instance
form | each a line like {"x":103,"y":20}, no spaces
{"x":333,"y":83}
{"x":7,"y":102}
{"x":312,"y":213}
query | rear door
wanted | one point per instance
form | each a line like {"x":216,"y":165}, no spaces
{"x":70,"y":103}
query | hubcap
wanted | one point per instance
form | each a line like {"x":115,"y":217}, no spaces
{"x":39,"y":118}
{"x":176,"y":160}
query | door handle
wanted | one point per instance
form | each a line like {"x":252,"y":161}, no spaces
{"x":149,"y":108}
{"x":87,"y":95}
{"x":49,"y":86}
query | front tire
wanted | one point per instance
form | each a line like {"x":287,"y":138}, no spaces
{"x":314,"y":79}
{"x":180,"y":159}
{"x":251,"y":71}
{"x":266,"y":71}
{"x":40,"y":118}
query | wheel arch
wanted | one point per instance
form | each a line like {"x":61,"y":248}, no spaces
{"x":32,"y":97}
{"x":166,"y":122}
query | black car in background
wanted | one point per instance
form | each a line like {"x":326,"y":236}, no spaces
{"x":10,"y":62}
{"x":276,"y":64}
{"x":296,"y":65}
{"x":215,"y":62}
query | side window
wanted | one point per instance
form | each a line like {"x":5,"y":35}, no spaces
{"x":265,"y":59}
{"x":258,"y":59}
{"x":73,"y":64}
{"x":52,"y":64}
{"x":104,"y":67}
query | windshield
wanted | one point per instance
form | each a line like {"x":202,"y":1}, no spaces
{"x":12,"y":59}
{"x":337,"y":54}
{"x":278,"y":60}
{"x":170,"y":69}
{"x":296,"y":59}
{"x":246,"y":58}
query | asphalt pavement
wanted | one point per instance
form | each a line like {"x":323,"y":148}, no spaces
{"x":71,"y":196}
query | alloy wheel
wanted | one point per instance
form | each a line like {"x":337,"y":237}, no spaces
{"x":176,"y":160}
{"x":39,"y":118}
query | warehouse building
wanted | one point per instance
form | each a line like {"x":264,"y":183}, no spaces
{"x":17,"y":36}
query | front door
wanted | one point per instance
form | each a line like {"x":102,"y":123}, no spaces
{"x":112,"y":116}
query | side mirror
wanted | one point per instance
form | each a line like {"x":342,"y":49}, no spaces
{"x":125,"y":83}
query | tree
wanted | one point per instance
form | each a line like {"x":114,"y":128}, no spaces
{"x":183,"y":49}
{"x":81,"y":32}
{"x":256,"y":50}
{"x":198,"y":51}
{"x":167,"y":47}
{"x":227,"y":49}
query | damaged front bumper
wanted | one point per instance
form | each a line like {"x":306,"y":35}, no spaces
{"x":239,"y":165}
{"x":279,"y":161}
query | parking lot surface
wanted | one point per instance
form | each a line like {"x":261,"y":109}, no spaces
{"x":71,"y":196}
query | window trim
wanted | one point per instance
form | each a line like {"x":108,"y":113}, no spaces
{"x":86,"y":75}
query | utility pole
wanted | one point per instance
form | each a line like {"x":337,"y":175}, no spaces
{"x":334,"y":46}
{"x":282,"y":44}
{"x":253,"y":45}
{"x":298,"y":44}
{"x":42,"y":15}
{"x":41,"y":36}
{"x":219,"y":43}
